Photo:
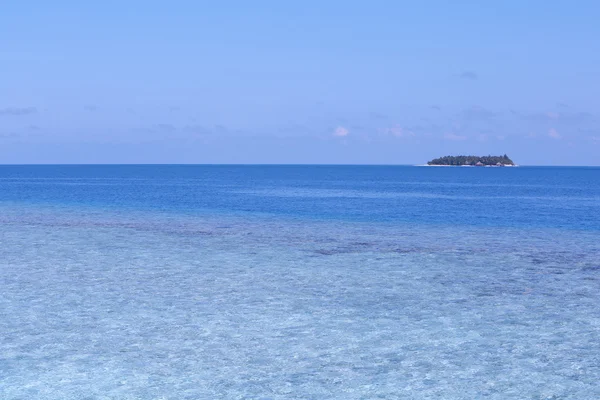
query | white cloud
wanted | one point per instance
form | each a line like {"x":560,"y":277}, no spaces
{"x":397,"y":131}
{"x":553,"y":133}
{"x":500,"y":137}
{"x":452,"y":136}
{"x":340,"y":131}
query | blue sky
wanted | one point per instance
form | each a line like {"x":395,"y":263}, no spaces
{"x":379,"y":82}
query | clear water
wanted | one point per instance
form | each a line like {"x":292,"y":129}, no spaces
{"x":271,"y":282}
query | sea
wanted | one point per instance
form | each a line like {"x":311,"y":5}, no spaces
{"x":299,"y":282}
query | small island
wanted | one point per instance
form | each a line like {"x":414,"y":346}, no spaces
{"x":474,"y":161}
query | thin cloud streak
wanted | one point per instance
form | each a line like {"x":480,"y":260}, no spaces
{"x":469,"y":75}
{"x":397,"y":131}
{"x":18,"y":111}
{"x":454,"y":137}
{"x":478,"y":113}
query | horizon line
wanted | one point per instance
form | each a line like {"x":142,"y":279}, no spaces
{"x":266,"y":164}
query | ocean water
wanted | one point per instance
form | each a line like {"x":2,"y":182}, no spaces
{"x":299,"y":282}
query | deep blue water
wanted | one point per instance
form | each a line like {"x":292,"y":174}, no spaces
{"x":299,"y":282}
{"x":551,"y":197}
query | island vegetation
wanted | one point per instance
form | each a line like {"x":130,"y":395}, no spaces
{"x":497,"y":161}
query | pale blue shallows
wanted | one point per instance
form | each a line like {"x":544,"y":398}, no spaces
{"x":307,"y":282}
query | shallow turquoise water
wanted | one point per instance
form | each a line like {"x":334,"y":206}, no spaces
{"x":179,"y":282}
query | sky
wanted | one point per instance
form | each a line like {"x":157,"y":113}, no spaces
{"x":325,"y":82}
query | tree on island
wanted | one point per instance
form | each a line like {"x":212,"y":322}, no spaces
{"x":472,"y":160}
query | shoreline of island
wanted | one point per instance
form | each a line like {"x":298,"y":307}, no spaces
{"x":470,"y":166}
